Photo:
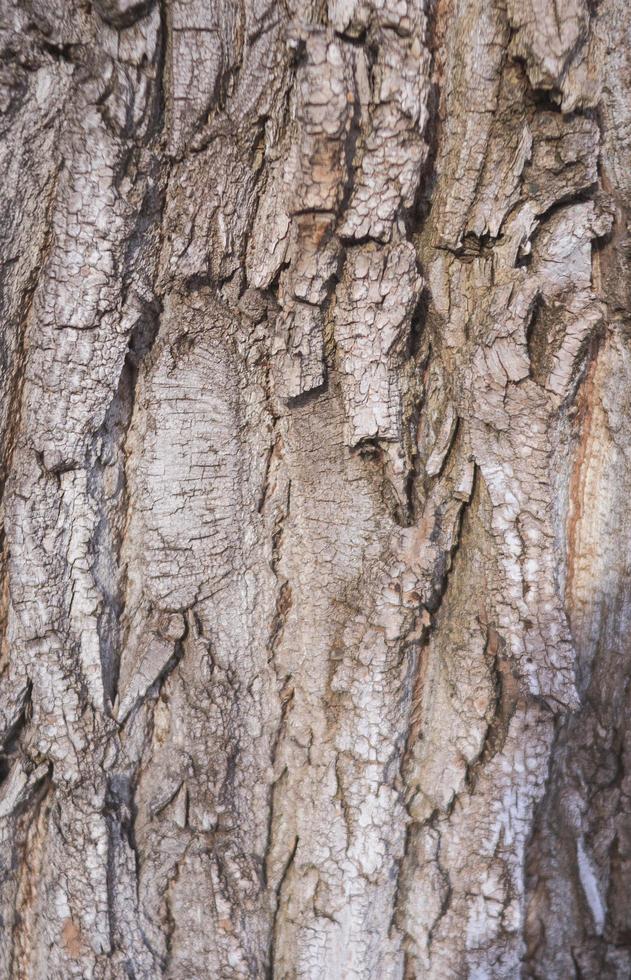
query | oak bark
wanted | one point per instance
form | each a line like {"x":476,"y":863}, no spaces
{"x":316,"y":459}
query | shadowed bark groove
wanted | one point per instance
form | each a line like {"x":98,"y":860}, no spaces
{"x":315,"y":465}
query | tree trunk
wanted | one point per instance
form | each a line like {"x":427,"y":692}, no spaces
{"x":316,"y":457}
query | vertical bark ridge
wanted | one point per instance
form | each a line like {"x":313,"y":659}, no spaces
{"x":314,"y":432}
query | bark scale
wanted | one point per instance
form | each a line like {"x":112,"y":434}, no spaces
{"x":315,"y":457}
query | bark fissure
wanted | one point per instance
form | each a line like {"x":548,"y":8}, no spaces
{"x":315,"y":465}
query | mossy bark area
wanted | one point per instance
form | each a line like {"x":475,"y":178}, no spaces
{"x":315,"y":446}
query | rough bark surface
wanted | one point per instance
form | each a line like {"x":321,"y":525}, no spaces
{"x":316,"y":465}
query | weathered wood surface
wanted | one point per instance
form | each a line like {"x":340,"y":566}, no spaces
{"x":316,"y":464}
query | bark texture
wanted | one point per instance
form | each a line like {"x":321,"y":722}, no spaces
{"x":316,"y":465}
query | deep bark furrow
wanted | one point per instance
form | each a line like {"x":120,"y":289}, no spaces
{"x":314,"y":422}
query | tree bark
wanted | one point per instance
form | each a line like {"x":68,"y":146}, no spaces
{"x":316,"y":461}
